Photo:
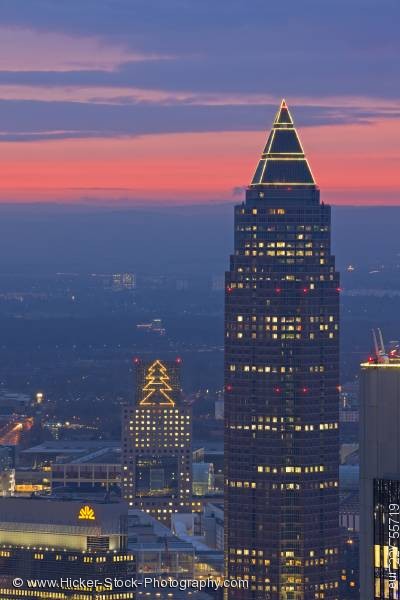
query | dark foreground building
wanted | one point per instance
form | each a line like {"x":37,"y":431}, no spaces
{"x":281,"y":383}
{"x":380,"y":478}
{"x":59,"y":550}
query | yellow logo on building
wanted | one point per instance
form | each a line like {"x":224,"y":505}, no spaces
{"x":86,"y":514}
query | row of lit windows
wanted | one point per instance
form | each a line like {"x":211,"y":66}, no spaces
{"x":320,"y":426}
{"x":294,"y":215}
{"x":154,"y":418}
{"x":258,"y":427}
{"x":253,"y":242}
{"x":284,"y":486}
{"x":243,"y":484}
{"x":259,"y":230}
{"x":159,"y":438}
{"x":118,"y":558}
{"x":246,"y":552}
{"x":159,"y":432}
{"x":279,"y":231}
{"x":161,"y":441}
{"x":268,"y":369}
{"x":260,"y":269}
{"x":286,"y":320}
{"x":141,"y":444}
{"x":277,"y":244}
{"x":70,"y":557}
{"x":276,"y":336}
{"x":286,"y":588}
{"x":288,"y":578}
{"x":261,"y":369}
{"x":233,"y":284}
{"x":270,"y":319}
{"x":284,"y":554}
{"x":165,"y":424}
{"x":168,"y":430}
{"x":283,"y":253}
{"x":254,"y":245}
{"x":271,"y":211}
{"x":251,"y":561}
{"x":283,"y":327}
{"x":167,"y":411}
{"x":296,"y":470}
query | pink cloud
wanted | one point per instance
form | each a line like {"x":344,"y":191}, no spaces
{"x":29,"y":50}
{"x":352,"y":163}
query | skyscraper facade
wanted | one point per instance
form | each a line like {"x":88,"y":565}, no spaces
{"x":380,"y":478}
{"x":282,"y":383}
{"x":156,"y":442}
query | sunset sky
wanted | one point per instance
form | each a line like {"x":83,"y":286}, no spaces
{"x":169,"y":101}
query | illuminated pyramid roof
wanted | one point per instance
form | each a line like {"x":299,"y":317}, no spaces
{"x":283,"y":162}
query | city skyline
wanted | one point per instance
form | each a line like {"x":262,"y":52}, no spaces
{"x":132,"y":103}
{"x":199,"y":209}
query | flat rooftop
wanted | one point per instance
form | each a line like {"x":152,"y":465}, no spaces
{"x":40,"y":514}
{"x":70,"y":447}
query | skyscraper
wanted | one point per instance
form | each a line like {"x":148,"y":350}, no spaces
{"x":380,"y":478}
{"x":156,"y":442}
{"x":281,"y":383}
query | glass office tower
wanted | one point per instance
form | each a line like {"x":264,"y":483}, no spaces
{"x":282,"y":383}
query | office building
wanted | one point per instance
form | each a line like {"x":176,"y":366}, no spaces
{"x":281,"y":383}
{"x":349,"y":578}
{"x":7,"y":482}
{"x":7,"y":457}
{"x":159,"y":554}
{"x":379,"y":477}
{"x":212,"y":453}
{"x":203,"y":479}
{"x":94,"y":471}
{"x":156,"y":442}
{"x":213,"y":525}
{"x":47,"y":539}
{"x":53,"y":451}
{"x":123,"y":281}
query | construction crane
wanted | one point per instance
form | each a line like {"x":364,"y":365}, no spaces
{"x":381,"y":356}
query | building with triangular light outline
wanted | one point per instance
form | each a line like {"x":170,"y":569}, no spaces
{"x":156,"y":442}
{"x":282,"y":383}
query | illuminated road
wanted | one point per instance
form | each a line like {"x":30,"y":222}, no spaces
{"x":10,"y":433}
